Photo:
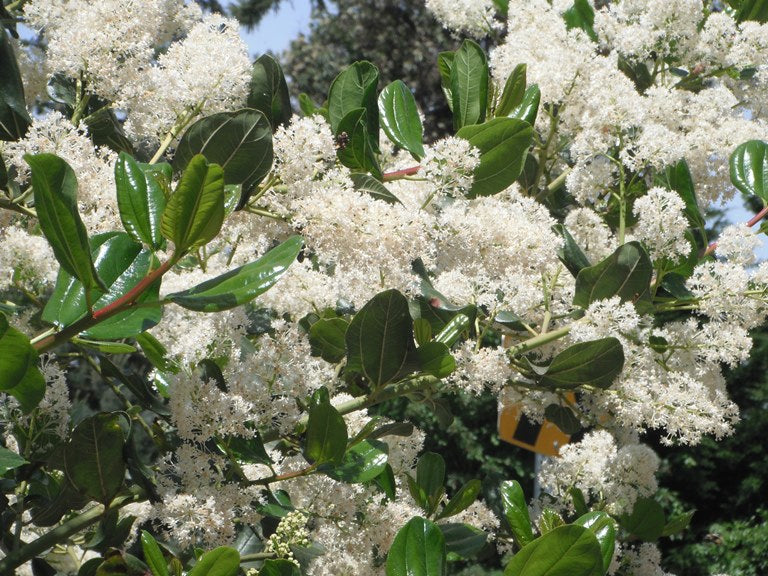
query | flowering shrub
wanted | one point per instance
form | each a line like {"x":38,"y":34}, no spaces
{"x":282,"y":273}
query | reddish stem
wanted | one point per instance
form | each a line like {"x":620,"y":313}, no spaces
{"x":119,"y":305}
{"x":754,"y":220}
{"x":397,"y":174}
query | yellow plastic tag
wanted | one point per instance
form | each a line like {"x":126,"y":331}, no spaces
{"x":544,"y":438}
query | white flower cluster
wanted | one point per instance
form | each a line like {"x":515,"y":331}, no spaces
{"x":472,"y":17}
{"x":604,"y":471}
{"x":661,"y":224}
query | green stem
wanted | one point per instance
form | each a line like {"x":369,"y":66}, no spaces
{"x":82,"y":102}
{"x":175,"y":130}
{"x":257,"y":556}
{"x":20,"y":208}
{"x":538,"y":341}
{"x":62,"y":532}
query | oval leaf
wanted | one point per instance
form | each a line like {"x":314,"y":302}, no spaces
{"x":462,"y":541}
{"x":141,"y":201}
{"x":646,"y":521}
{"x":121,"y":263}
{"x":513,"y":92}
{"x":749,"y":168}
{"x":326,"y":337}
{"x":269,"y":91}
{"x":503,"y":145}
{"x":243,"y":284}
{"x":195,"y":212}
{"x":9,"y":460}
{"x":400,"y":118}
{"x":240,"y":142}
{"x":380,"y":337}
{"x":469,"y":85}
{"x":368,"y":184}
{"x":626,"y":273}
{"x":604,"y":529}
{"x":153,"y":556}
{"x":93,"y":458}
{"x":279,"y":568}
{"x":462,"y":500}
{"x":14,"y":118}
{"x":55,"y":190}
{"x":516,"y":511}
{"x":326,"y":431}
{"x":355,"y":88}
{"x":362,"y":462}
{"x":356,"y":150}
{"x":19,"y":375}
{"x":435,"y":359}
{"x":565,"y":551}
{"x":418,"y":550}
{"x":528,"y":109}
{"x":222,"y":561}
{"x":596,"y":363}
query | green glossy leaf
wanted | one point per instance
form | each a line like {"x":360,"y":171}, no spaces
{"x":430,"y":478}
{"x":445,"y":65}
{"x":516,"y":511}
{"x":528,"y":109}
{"x":579,"y":503}
{"x":139,"y":387}
{"x":596,"y":363}
{"x":678,"y":177}
{"x":418,"y":550}
{"x":279,"y":568}
{"x":222,"y":561}
{"x":469,"y":85}
{"x":354,"y":88}
{"x":361,"y":463}
{"x":422,"y":331}
{"x":564,"y":551}
{"x":604,"y":529}
{"x":156,"y":353}
{"x":386,"y":482}
{"x":380,"y":338}
{"x":104,"y":129}
{"x":749,"y":168}
{"x":400,"y":118}
{"x":326,"y":431}
{"x":326,"y":337}
{"x":646,"y":521}
{"x":140,"y":199}
{"x":9,"y":460}
{"x":153,"y":556}
{"x":356,"y":150}
{"x":570,"y":254}
{"x":514,"y":90}
{"x":563,"y":417}
{"x":625,"y":273}
{"x":366,"y":183}
{"x":755,"y":10}
{"x":19,"y":375}
{"x":121,"y":263}
{"x":195,"y":211}
{"x":581,"y":15}
{"x":242,"y":284}
{"x":435,"y":359}
{"x":462,"y":500}
{"x":55,"y":191}
{"x":14,"y":118}
{"x":503,"y":145}
{"x":462,"y":541}
{"x":93,"y":457}
{"x":678,"y":523}
{"x":106,"y":347}
{"x":269,"y":91}
{"x":308,"y":107}
{"x":240,"y":142}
